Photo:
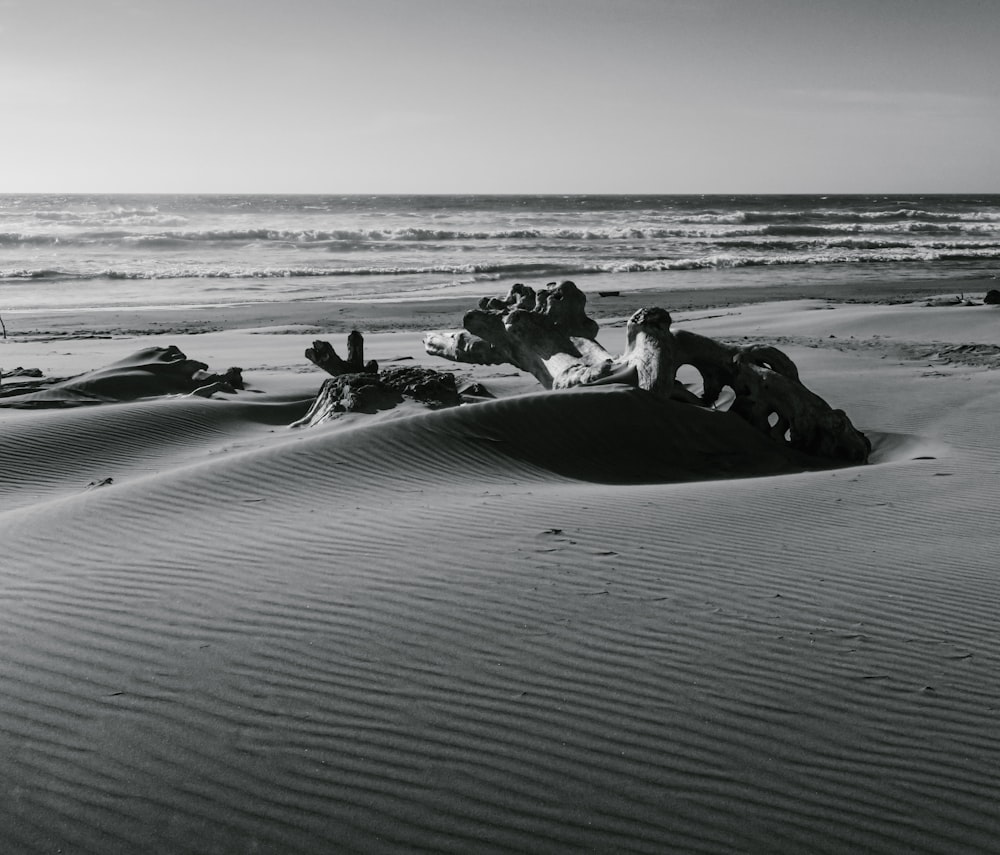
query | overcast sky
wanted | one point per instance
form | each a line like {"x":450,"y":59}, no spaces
{"x":558,"y":96}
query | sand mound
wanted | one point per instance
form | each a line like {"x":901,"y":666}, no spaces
{"x":618,"y":434}
{"x":609,"y":434}
{"x":44,"y":454}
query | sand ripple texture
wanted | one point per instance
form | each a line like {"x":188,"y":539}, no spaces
{"x":440,"y":634}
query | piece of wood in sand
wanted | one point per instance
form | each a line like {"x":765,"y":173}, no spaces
{"x":323,"y":355}
{"x":357,"y":386}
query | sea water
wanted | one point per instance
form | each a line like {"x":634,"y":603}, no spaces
{"x":75,"y":251}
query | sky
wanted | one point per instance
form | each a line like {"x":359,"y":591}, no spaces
{"x":500,"y":96}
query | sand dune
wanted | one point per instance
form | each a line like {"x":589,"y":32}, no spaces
{"x":549,"y":623}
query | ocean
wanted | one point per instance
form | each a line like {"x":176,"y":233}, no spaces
{"x":67,"y":252}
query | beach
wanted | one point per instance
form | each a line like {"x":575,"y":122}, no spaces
{"x":521,"y":428}
{"x":531,"y":624}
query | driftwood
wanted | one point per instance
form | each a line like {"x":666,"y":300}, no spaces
{"x":322,"y":355}
{"x":147,"y":373}
{"x":549,"y":335}
{"x":359,"y":387}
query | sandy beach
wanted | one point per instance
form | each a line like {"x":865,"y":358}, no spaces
{"x":534,"y":624}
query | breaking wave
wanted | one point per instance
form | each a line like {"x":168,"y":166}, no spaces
{"x":846,"y":253}
{"x":347,"y":239}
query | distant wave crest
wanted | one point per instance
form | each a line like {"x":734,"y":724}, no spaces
{"x":346,"y":240}
{"x":118,"y":216}
{"x":845,"y":216}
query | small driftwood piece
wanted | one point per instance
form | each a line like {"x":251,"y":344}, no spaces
{"x":359,"y":387}
{"x":549,"y":335}
{"x":322,"y":355}
{"x":210,"y":382}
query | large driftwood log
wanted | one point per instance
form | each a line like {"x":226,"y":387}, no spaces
{"x":769,"y":394}
{"x":549,"y":335}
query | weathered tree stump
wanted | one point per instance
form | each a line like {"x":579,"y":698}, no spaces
{"x":368,"y":390}
{"x":549,"y":335}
